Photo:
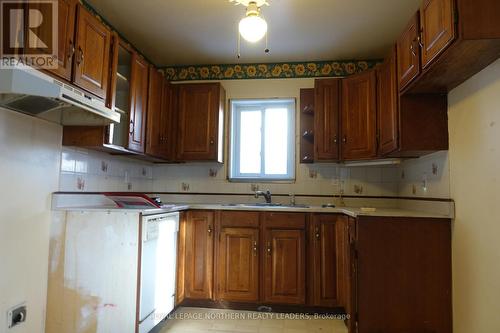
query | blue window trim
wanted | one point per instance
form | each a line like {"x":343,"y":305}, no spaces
{"x":237,"y":106}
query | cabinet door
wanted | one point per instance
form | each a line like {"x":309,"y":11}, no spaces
{"x":328,"y":269}
{"x":92,"y":54}
{"x":199,"y":251}
{"x":238,"y":261}
{"x":66,"y":34}
{"x":284,"y":267}
{"x":387,"y":106}
{"x":437,"y":28}
{"x":138,"y":103}
{"x":200,"y":111}
{"x":158,"y":142}
{"x":404,"y":273}
{"x":358,"y":116}
{"x":408,"y":53}
{"x":326,"y":119}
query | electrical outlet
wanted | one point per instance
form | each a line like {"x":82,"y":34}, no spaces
{"x":16,"y":315}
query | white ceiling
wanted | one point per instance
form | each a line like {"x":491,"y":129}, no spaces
{"x":181,"y":32}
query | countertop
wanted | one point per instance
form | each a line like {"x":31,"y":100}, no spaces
{"x":350,"y":211}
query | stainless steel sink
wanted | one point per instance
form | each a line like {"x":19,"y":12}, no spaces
{"x":260,"y":205}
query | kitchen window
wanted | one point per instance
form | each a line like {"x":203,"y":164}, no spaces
{"x":262,"y":140}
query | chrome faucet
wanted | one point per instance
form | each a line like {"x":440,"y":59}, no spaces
{"x":266,"y":195}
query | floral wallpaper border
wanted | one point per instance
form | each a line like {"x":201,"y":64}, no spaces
{"x":268,"y":71}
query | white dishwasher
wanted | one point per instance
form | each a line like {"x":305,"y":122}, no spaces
{"x":158,"y":268}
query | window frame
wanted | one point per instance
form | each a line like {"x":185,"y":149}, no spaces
{"x":260,"y":104}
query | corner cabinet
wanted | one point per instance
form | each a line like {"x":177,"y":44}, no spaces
{"x":92,"y":53}
{"x":358,"y":116}
{"x":402,"y":275}
{"x":200,"y":122}
{"x":447,"y":42}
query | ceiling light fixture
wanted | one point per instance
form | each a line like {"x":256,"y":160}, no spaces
{"x":252,"y":27}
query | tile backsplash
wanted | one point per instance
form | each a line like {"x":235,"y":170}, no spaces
{"x":90,"y":171}
{"x":427,"y":177}
{"x":317,"y":179}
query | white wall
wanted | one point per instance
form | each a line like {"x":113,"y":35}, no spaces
{"x":474,"y":126}
{"x":29,"y":168}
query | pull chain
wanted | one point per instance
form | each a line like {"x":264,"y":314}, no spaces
{"x":267,"y":43}
{"x":239,"y":45}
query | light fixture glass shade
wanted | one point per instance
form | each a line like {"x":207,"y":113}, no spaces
{"x":253,"y":28}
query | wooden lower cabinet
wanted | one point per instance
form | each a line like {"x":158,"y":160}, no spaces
{"x":403,"y":275}
{"x":327,"y":268}
{"x":238,"y":265}
{"x":199,"y":255}
{"x":389,"y":274}
{"x":284,"y":258}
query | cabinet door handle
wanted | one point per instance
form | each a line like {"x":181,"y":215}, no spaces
{"x":316,"y":233}
{"x":254,"y":248}
{"x":212,"y":141}
{"x":71,"y":51}
{"x":412,"y":47}
{"x":80,"y":58}
{"x":344,"y":139}
{"x":335,"y":139}
{"x":420,"y":43}
{"x":132,"y":127}
{"x":210,"y":230}
{"x":420,"y":38}
{"x":269,"y":248}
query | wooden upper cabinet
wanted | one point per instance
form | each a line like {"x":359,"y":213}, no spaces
{"x":199,"y":255}
{"x":200,"y":122}
{"x":437,"y":28}
{"x":408,"y":53}
{"x":284,"y":258}
{"x":387,"y":106}
{"x":92,"y":53}
{"x":159,"y":124}
{"x":238,"y":263}
{"x":66,"y":37}
{"x":358,"y":115}
{"x":328,"y":271}
{"x":138,"y":104}
{"x":326,"y":119}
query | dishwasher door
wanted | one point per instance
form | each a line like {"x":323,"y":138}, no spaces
{"x":158,"y":269}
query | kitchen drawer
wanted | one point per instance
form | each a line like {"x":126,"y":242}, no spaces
{"x":285,"y":220}
{"x":243,"y":219}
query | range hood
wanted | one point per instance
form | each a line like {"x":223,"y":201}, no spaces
{"x":27,"y":90}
